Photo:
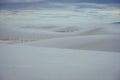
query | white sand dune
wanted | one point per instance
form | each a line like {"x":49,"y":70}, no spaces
{"x":18,"y":34}
{"x":95,"y":38}
{"x":31,"y":63}
{"x":99,"y":42}
{"x":63,"y":53}
{"x":29,"y":34}
{"x":26,"y":34}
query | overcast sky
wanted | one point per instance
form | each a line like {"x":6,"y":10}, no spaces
{"x":55,"y":12}
{"x":65,"y":1}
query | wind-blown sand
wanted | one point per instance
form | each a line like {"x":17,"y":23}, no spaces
{"x":60,"y":53}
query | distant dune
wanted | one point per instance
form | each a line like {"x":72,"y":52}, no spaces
{"x":94,"y":42}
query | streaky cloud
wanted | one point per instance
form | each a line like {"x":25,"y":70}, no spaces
{"x":61,"y":1}
{"x":56,"y":5}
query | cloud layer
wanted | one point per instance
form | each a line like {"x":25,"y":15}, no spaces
{"x":54,"y":12}
{"x":63,"y":17}
{"x":19,"y":1}
{"x":62,"y":1}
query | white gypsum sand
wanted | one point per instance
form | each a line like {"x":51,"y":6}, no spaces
{"x":28,"y":63}
{"x":52,"y":54}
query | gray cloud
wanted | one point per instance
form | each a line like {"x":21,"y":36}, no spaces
{"x":62,"y":1}
{"x":19,"y":1}
{"x":42,"y":4}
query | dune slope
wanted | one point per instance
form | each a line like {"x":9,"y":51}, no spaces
{"x":28,"y":63}
{"x":93,"y":42}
